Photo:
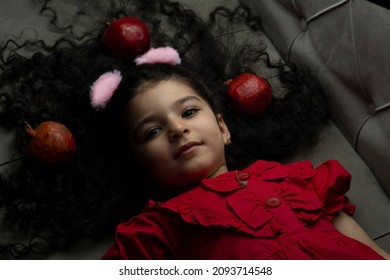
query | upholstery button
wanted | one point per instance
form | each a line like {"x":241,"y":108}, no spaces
{"x":303,"y":25}
{"x":272,"y":202}
{"x":371,"y":109}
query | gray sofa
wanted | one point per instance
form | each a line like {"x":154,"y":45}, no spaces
{"x":345,"y":43}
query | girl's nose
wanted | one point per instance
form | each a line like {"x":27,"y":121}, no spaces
{"x":177,"y":129}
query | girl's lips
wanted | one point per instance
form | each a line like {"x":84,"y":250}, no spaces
{"x":186,"y":149}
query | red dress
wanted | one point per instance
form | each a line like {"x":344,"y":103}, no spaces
{"x":283,"y":212}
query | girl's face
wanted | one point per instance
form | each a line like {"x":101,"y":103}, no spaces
{"x":175,"y":135}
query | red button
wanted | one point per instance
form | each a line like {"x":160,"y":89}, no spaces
{"x":243,"y":176}
{"x":272,"y":202}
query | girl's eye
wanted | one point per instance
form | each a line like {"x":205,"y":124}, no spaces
{"x":152,"y":133}
{"x":190,"y":112}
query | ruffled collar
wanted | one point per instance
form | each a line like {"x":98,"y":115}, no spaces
{"x":223,"y":202}
{"x":228,"y":182}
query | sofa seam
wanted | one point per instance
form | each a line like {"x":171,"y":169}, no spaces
{"x":309,"y":19}
{"x":380,"y":236}
{"x":326,"y":10}
{"x":358,"y":73}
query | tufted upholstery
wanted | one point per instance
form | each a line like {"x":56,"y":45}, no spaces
{"x":346,"y":45}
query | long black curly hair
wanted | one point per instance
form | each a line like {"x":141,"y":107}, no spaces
{"x":49,"y":208}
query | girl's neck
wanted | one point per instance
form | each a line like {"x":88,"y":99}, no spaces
{"x":220,"y":170}
{"x":163,"y":195}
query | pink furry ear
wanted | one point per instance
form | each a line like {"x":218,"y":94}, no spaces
{"x":103,"y":89}
{"x":166,"y":55}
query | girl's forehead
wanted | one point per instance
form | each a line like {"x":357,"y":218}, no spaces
{"x":157,"y":95}
{"x":165,"y":90}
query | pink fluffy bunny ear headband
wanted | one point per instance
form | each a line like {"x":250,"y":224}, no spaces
{"x":105,"y":86}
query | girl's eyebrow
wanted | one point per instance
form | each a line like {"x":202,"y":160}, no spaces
{"x":187,"y":98}
{"x":175,"y":104}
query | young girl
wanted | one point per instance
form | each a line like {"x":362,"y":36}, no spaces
{"x":164,"y":137}
{"x":204,"y":211}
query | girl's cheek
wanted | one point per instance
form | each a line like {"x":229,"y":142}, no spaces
{"x":151,"y":151}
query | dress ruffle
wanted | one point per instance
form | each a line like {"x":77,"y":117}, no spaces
{"x":223,"y":202}
{"x":283,"y":212}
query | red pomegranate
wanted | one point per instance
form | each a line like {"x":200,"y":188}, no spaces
{"x":249,"y":94}
{"x":126,"y":38}
{"x":51,"y":143}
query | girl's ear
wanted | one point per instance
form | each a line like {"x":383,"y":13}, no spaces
{"x":224,"y":129}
